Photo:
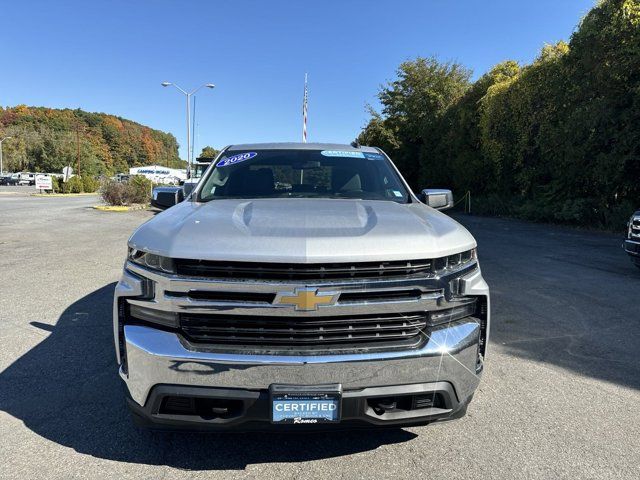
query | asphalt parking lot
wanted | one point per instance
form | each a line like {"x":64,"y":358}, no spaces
{"x":560,"y":397}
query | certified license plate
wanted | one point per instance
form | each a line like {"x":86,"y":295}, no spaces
{"x":305,"y":404}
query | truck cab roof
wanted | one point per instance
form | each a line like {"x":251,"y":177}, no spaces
{"x":300,"y":146}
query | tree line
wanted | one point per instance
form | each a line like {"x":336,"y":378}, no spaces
{"x":557,"y":140}
{"x":47,"y":140}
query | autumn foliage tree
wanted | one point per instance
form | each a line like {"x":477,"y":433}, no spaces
{"x":46,"y":140}
{"x":209,"y":152}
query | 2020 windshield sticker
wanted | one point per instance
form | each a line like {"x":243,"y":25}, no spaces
{"x":341,"y":153}
{"x":241,"y":157}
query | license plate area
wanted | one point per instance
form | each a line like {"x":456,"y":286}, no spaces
{"x":305,"y":404}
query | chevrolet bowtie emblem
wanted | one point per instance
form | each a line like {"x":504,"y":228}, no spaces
{"x":306,"y":299}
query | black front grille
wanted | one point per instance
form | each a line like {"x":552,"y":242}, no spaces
{"x":380,"y":296}
{"x":306,"y":333}
{"x":245,"y":297}
{"x":258,"y":297}
{"x":298,"y":271}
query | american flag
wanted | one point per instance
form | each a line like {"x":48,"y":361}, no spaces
{"x":304,"y":110}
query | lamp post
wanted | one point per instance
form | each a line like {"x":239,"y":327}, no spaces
{"x":188,"y":96}
{"x":5,"y":138}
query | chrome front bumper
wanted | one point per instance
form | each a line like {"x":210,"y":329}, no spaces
{"x":632,"y":247}
{"x":157,"y":357}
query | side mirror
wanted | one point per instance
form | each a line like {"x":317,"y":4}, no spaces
{"x":165,"y":197}
{"x":438,"y":198}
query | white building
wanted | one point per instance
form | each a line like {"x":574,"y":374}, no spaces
{"x":160,"y":174}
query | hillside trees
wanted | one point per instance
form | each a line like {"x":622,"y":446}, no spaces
{"x":46,"y":140}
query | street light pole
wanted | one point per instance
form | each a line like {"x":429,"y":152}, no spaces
{"x":188,"y":96}
{"x":5,"y":138}
{"x":188,"y":136}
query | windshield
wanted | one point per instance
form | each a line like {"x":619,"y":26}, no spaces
{"x":303,"y":174}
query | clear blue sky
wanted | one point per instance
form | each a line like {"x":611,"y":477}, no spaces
{"x":110,"y":56}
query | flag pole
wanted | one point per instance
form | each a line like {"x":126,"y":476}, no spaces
{"x":305,"y":99}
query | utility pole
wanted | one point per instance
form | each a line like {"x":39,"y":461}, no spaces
{"x":305,"y":106}
{"x":78,"y":146}
{"x":5,"y":138}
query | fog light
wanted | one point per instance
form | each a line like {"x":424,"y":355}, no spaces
{"x":449,"y":315}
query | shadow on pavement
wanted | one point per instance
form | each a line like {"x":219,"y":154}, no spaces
{"x":67,"y":390}
{"x":561,"y":296}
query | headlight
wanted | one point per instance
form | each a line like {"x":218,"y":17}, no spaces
{"x":633,"y":230}
{"x":151,"y":260}
{"x":455,"y":261}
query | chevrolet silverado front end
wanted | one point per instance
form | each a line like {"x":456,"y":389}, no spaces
{"x":300,"y":284}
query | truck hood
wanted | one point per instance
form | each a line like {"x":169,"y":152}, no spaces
{"x":301,"y":231}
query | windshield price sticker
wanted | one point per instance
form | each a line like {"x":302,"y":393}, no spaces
{"x":241,"y":157}
{"x":341,"y":153}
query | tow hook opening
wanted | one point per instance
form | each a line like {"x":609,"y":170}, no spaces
{"x":205,"y":408}
{"x":384,"y":405}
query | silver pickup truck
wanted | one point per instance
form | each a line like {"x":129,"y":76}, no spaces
{"x":300,"y":286}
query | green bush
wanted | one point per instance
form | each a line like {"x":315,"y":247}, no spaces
{"x":56,"y":183}
{"x":89,"y":184}
{"x":139,"y":189}
{"x":493,"y":204}
{"x":136,"y":190}
{"x":114,"y":193}
{"x":73,"y":185}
